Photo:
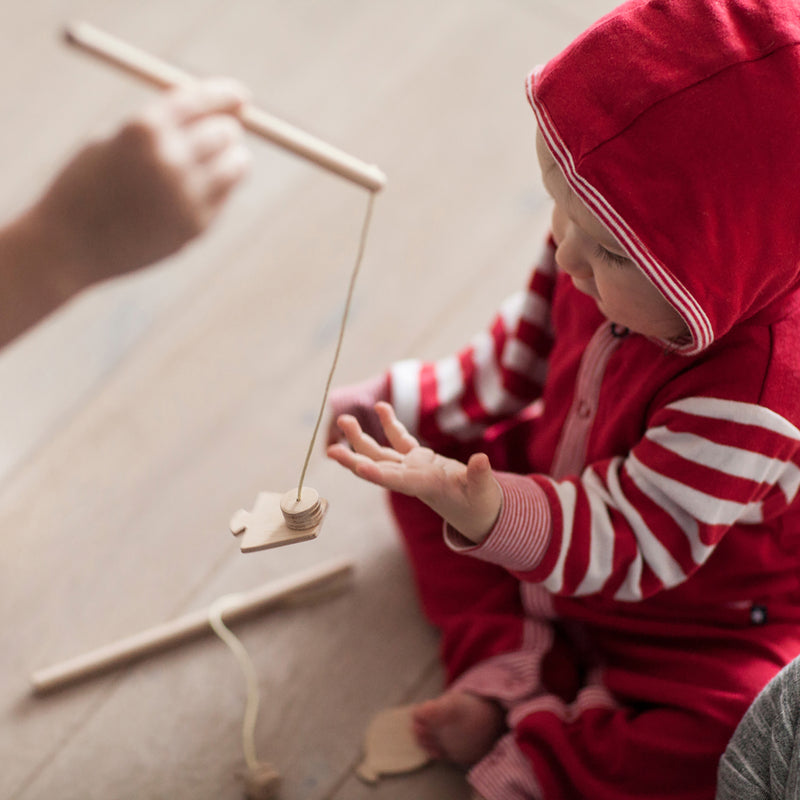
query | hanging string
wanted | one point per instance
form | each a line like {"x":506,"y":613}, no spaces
{"x":359,"y":257}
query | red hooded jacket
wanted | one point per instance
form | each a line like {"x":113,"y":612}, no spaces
{"x":642,"y":479}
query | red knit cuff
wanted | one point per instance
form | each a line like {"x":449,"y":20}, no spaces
{"x":521,"y":535}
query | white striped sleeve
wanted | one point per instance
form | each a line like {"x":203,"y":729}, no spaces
{"x":633,"y":525}
{"x":404,"y":377}
{"x":499,"y":373}
{"x":648,"y":520}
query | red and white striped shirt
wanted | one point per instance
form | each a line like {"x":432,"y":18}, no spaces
{"x":631,"y":466}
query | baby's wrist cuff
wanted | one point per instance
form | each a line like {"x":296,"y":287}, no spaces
{"x":519,"y":538}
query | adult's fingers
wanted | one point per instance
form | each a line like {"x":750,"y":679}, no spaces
{"x":222,"y":174}
{"x":210,"y":136}
{"x":202,"y":98}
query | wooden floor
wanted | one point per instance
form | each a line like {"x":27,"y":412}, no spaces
{"x":137,"y":420}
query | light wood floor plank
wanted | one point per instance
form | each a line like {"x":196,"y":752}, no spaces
{"x":140,"y":418}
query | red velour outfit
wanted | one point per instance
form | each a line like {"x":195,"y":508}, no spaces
{"x":642,"y":583}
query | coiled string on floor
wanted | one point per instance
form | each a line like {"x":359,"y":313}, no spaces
{"x":262,"y":779}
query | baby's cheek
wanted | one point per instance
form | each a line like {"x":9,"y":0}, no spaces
{"x":557,"y":224}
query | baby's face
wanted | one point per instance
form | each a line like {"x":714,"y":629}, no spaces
{"x":598,"y":264}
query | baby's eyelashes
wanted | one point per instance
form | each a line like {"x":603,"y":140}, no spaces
{"x":610,"y":257}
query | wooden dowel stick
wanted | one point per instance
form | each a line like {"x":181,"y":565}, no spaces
{"x":183,"y":628}
{"x":163,"y":75}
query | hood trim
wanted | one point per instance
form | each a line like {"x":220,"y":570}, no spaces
{"x":673,"y":291}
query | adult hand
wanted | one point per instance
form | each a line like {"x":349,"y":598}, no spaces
{"x":139,"y":196}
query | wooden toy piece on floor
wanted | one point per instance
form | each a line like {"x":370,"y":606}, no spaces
{"x":390,"y":747}
{"x":278,"y":519}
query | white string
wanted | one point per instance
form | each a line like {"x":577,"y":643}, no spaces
{"x":215,"y":612}
{"x":359,"y":257}
{"x":219,"y":606}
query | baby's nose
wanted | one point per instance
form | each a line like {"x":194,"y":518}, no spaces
{"x":570,"y":258}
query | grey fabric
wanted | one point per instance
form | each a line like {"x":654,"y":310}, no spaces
{"x":762,"y":760}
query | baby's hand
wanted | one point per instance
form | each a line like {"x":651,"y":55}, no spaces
{"x":137,"y":197}
{"x":467,"y":496}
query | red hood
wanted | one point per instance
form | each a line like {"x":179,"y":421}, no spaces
{"x":678,"y":123}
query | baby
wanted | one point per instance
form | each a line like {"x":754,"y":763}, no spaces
{"x":599,"y":497}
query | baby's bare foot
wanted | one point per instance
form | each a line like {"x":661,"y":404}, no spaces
{"x":458,"y":727}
